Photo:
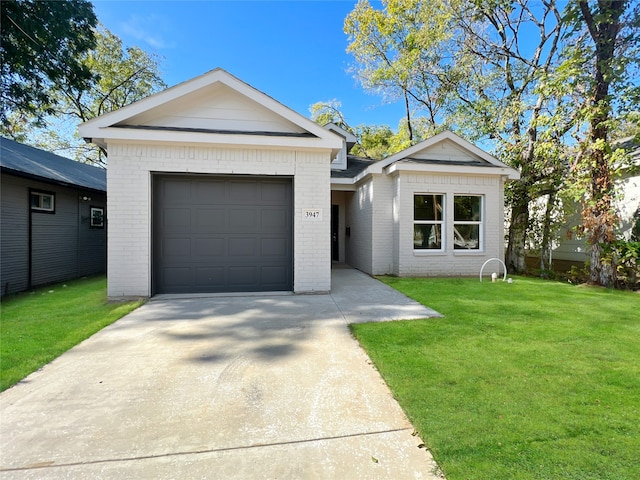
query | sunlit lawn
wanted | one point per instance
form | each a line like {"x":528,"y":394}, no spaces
{"x":38,"y":326}
{"x":530,"y":380}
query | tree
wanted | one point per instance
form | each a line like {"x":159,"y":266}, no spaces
{"x":41,"y":50}
{"x":606,"y":45}
{"x":476,"y":67}
{"x":398,"y":52}
{"x":373,"y":141}
{"x":122,"y":76}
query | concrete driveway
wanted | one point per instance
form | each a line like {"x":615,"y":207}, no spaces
{"x":223,"y":387}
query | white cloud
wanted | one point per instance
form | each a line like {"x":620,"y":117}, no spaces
{"x":150,"y":29}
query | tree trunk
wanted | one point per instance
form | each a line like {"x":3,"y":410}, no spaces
{"x":515,"y":255}
{"x":545,"y":248}
{"x":598,"y":216}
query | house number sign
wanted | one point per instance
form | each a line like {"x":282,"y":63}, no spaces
{"x":312,"y":214}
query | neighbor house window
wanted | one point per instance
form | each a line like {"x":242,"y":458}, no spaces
{"x":42,"y":201}
{"x":97,"y":217}
{"x":467,"y":222}
{"x":428,"y":214}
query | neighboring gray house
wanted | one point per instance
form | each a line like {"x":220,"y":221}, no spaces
{"x":572,"y":249}
{"x":53,"y":218}
{"x":216,"y":187}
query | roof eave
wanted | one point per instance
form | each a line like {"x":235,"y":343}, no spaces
{"x":51,"y":181}
{"x":508,"y":172}
{"x":102,"y":136}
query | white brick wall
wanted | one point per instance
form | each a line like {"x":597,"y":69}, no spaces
{"x":380,"y":214}
{"x":383,"y":226}
{"x":359,"y":244}
{"x":450,"y":262}
{"x":129,"y":205}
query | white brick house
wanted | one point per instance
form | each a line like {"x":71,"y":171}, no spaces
{"x":434,"y":209}
{"x":214,"y":186}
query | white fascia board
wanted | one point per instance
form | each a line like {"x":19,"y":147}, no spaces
{"x":343,"y":184}
{"x":505,"y":171}
{"x":221,"y":139}
{"x":348,"y":136}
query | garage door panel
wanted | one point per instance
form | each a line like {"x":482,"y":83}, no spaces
{"x":273,"y":277}
{"x":243,"y":220}
{"x":243,"y":247}
{"x":274,"y":247}
{"x":209,"y":192}
{"x":243,"y":193}
{"x":208,"y":247}
{"x":177,"y":277}
{"x":177,"y":193}
{"x":274,"y":194}
{"x":209,"y":277}
{"x":176,"y":219}
{"x":243,"y":277}
{"x":222,"y":234}
{"x":176,"y":247}
{"x":209,"y":219}
{"x":273,"y":220}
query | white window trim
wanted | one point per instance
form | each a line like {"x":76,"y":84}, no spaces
{"x":480,"y":223}
{"x":442,"y":223}
{"x":41,"y":196}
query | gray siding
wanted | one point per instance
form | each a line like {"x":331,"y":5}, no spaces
{"x":63,"y":246}
{"x":14,"y":235}
{"x":55,"y":240}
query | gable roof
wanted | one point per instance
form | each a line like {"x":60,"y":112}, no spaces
{"x":349,"y":138}
{"x":25,"y":161}
{"x":213,"y":108}
{"x":445,"y":153}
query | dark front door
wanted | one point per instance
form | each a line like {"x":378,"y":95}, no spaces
{"x":222,"y":234}
{"x":335,"y":222}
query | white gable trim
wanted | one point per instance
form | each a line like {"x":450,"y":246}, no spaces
{"x":99,"y":129}
{"x":455,"y":169}
{"x":447,"y":135}
{"x":349,"y":137}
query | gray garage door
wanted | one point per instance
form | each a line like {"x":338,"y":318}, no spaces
{"x":222,"y":234}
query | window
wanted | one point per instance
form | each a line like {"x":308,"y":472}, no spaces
{"x":467,"y":222}
{"x":428,"y":216}
{"x":42,"y":201}
{"x":97,"y":217}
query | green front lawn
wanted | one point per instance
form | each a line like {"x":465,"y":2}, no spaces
{"x":529,"y":380}
{"x":38,"y":326}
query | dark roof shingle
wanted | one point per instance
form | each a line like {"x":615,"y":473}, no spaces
{"x":24,"y":160}
{"x":355,"y":165}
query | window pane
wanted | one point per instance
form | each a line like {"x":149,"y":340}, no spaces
{"x":427,"y":237}
{"x":46,"y":202}
{"x":466,"y":237}
{"x":427,"y":207}
{"x":35,"y":200}
{"x":467,"y":208}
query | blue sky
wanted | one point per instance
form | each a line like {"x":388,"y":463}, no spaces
{"x":294,"y":51}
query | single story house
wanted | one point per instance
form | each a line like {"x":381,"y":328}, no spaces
{"x":216,"y":187}
{"x":53,"y":221}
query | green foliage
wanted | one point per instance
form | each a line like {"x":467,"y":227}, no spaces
{"x":40,"y":53}
{"x":122,"y":76}
{"x":40,"y":325}
{"x":373,"y":141}
{"x":627,"y":259}
{"x":529,"y":380}
{"x":602,"y":52}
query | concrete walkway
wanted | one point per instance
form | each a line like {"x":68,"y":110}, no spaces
{"x":258,"y":387}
